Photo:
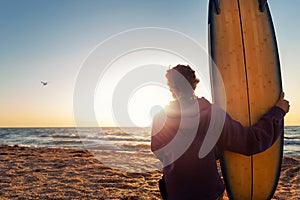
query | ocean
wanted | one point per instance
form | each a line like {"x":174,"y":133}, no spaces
{"x":119,"y":147}
{"x":291,"y":146}
{"x":107,"y":138}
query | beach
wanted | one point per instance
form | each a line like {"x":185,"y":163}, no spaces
{"x":57,"y":173}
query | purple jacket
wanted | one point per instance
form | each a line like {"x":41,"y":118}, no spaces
{"x":177,"y":137}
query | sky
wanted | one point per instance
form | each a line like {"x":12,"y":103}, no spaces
{"x":43,"y":40}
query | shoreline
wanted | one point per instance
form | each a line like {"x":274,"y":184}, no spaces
{"x":57,"y":173}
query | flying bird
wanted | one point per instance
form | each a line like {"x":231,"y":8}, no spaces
{"x":44,"y":83}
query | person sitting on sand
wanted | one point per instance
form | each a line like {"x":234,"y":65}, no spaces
{"x":186,"y":175}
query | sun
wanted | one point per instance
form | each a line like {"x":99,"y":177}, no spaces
{"x":138,"y":109}
{"x":145,"y":102}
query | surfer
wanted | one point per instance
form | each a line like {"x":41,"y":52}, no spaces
{"x":185,"y":175}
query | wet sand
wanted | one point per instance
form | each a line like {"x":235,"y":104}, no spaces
{"x":41,"y":173}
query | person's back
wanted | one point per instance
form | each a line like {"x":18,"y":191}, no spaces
{"x":185,"y":176}
{"x":179,"y":131}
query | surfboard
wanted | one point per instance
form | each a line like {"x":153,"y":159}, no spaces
{"x":244,"y":49}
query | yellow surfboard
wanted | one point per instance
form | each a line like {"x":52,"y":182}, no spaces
{"x":244,"y":49}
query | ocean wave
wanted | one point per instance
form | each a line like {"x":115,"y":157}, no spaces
{"x":292,"y":143}
{"x":136,"y":146}
{"x":65,"y":136}
{"x":291,"y":138}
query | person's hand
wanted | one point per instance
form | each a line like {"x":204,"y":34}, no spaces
{"x":283,"y":104}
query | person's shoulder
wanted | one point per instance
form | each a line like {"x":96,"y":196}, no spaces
{"x":160,"y":115}
{"x":204,"y":103}
{"x":158,"y":122}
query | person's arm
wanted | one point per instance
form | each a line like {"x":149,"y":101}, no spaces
{"x":257,"y":138}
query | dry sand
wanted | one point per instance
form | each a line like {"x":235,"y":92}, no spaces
{"x":41,"y":173}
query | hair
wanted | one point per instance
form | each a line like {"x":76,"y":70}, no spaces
{"x":182,"y":81}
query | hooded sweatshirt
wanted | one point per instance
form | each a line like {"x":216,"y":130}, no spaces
{"x":188,"y":139}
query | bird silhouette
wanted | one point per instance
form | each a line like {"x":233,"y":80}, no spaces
{"x":44,"y":83}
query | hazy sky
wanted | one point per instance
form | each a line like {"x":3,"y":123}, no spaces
{"x":50,"y":40}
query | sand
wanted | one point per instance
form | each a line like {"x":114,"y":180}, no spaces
{"x":40,"y":173}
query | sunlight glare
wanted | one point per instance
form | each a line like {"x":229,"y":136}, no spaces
{"x":147,"y":101}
